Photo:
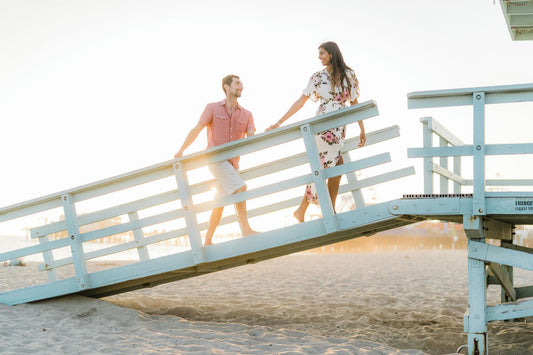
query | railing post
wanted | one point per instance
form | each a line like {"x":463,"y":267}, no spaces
{"x":479,"y":153}
{"x":48,"y":258}
{"x":443,"y":161}
{"x":198,"y":251}
{"x":357,"y":195}
{"x":328,"y":214}
{"x":457,"y":187}
{"x":428,"y":162}
{"x":76,"y":244}
{"x":138,"y":235}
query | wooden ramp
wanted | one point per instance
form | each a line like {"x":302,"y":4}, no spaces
{"x":145,"y":208}
{"x":157,"y":205}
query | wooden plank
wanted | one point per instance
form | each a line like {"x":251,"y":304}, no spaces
{"x":360,"y":164}
{"x":463,"y":96}
{"x":107,"y":213}
{"x":119,"y":248}
{"x":523,"y":8}
{"x":138,"y":235}
{"x":427,"y":138}
{"x":437,"y":128}
{"x":76,"y":242}
{"x":490,"y":253}
{"x":195,"y":240}
{"x":524,"y":292}
{"x":48,"y":258}
{"x":464,"y":150}
{"x":378,"y":179}
{"x":129,"y":226}
{"x":40,"y":292}
{"x":30,"y":207}
{"x":431,"y":206}
{"x":507,"y":311}
{"x":319,"y":179}
{"x":13,"y":254}
{"x":509,"y":149}
{"x":449,"y":174}
{"x":503,"y":279}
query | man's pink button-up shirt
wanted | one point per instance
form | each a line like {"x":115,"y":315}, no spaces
{"x":224,"y":128}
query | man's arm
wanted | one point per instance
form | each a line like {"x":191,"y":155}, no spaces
{"x":190,"y":139}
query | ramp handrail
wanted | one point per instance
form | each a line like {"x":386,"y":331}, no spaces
{"x":183,"y":202}
{"x":477,"y":97}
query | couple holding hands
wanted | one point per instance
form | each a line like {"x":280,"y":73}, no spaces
{"x":335,"y":87}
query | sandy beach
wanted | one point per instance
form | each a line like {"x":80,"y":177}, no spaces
{"x":366,"y":303}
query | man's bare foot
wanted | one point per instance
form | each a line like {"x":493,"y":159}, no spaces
{"x":249,"y":232}
{"x":208,"y":242}
{"x":299,"y":216}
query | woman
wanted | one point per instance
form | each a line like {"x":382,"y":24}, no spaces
{"x":335,"y":86}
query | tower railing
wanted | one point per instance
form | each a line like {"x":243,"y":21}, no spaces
{"x":451,"y":146}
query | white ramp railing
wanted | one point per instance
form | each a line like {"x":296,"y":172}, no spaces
{"x":165,"y":206}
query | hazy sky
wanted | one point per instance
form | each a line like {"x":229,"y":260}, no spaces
{"x":92,"y":89}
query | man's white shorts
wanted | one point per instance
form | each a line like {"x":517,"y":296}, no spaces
{"x":228,"y":179}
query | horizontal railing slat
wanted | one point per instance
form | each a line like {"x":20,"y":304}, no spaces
{"x":35,"y":249}
{"x":449,"y":174}
{"x":461,"y":97}
{"x":137,"y":224}
{"x":107,"y":213}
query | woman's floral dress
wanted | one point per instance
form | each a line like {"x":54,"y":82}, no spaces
{"x":330,"y":142}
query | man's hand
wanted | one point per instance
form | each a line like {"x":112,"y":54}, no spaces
{"x":178,"y":154}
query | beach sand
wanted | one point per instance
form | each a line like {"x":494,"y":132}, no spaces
{"x":366,"y":303}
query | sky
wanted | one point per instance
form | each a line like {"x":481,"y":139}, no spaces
{"x":94,"y":89}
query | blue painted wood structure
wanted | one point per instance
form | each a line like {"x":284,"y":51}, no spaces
{"x":518,"y":16}
{"x":484,"y":214}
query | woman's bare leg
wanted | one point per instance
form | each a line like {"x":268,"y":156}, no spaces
{"x":333,"y":185}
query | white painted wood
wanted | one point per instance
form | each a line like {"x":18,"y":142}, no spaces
{"x":76,"y":243}
{"x":519,"y":309}
{"x":138,"y":235}
{"x":319,"y":179}
{"x":195,"y":239}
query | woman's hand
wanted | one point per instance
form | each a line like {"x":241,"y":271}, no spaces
{"x":362,"y":139}
{"x":273,"y":126}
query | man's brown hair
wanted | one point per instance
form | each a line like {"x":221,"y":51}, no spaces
{"x":227,"y":80}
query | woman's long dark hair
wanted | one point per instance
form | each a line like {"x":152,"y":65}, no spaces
{"x":338,"y":73}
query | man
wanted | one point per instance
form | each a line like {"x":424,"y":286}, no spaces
{"x":226,"y":121}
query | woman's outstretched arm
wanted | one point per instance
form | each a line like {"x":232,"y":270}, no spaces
{"x":298,"y":104}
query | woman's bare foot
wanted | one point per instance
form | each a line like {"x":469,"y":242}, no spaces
{"x":299,"y":215}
